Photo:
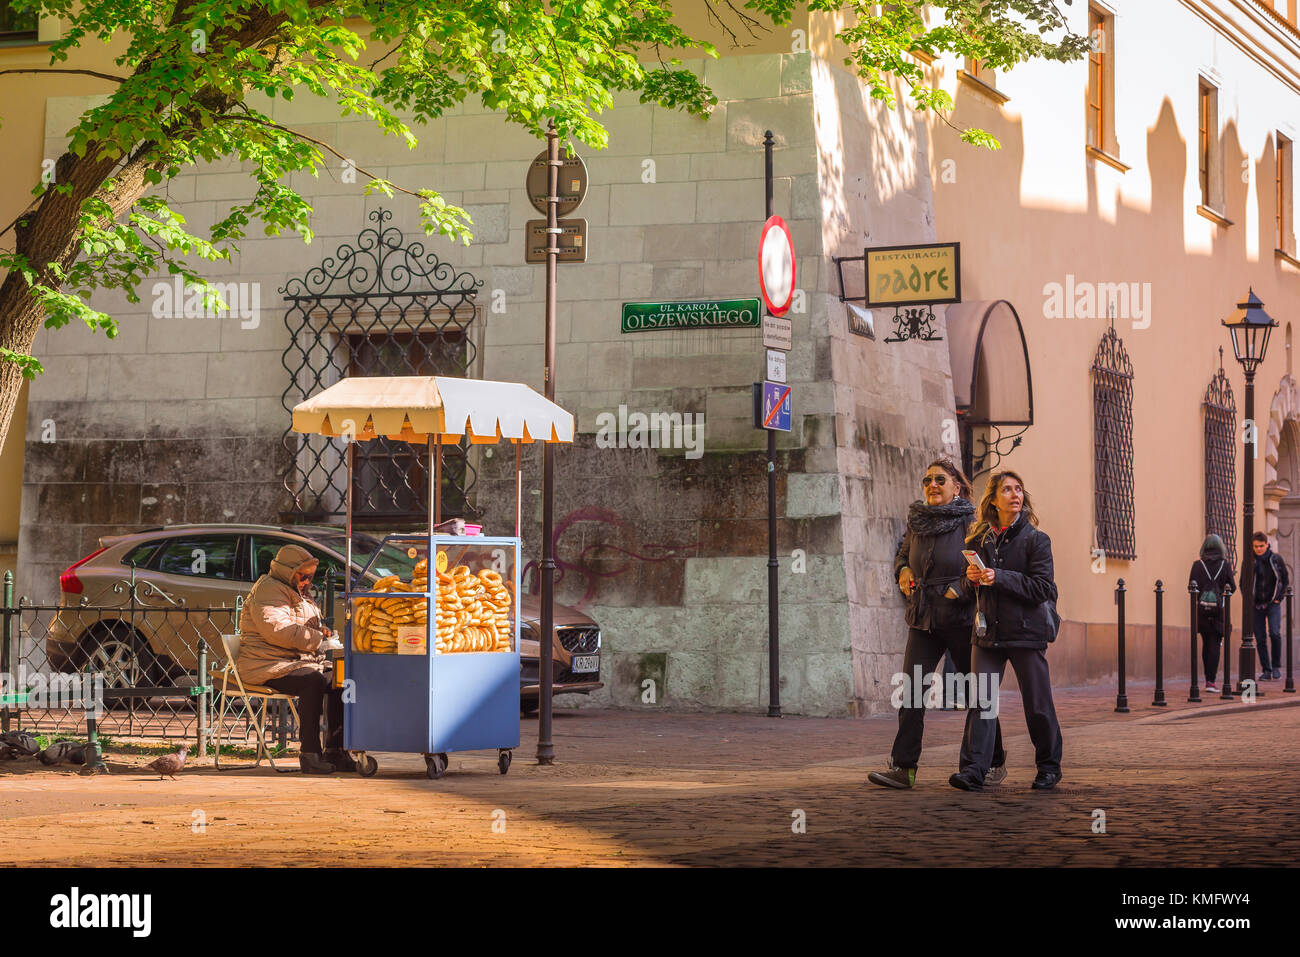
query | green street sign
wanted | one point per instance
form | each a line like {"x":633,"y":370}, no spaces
{"x":697,"y":314}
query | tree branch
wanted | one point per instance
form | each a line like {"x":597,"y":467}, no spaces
{"x":102,"y":76}
{"x":311,"y":139}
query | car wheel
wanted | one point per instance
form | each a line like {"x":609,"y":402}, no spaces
{"x":117,"y":652}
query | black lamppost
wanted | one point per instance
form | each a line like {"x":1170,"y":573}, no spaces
{"x":1250,"y":329}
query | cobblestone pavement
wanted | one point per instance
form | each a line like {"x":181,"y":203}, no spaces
{"x":640,"y":788}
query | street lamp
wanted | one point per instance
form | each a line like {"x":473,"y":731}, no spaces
{"x":1250,"y":329}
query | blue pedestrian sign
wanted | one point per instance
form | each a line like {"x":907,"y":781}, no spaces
{"x":772,"y":406}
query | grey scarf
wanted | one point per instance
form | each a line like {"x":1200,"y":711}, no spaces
{"x":925,"y":519}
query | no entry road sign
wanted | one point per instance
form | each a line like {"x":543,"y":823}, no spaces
{"x":772,"y":406}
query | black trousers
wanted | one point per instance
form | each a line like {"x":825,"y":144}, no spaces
{"x":314,"y":689}
{"x":1030,"y":666}
{"x":925,"y":648}
{"x":1272,"y":617}
{"x":1211,"y":645}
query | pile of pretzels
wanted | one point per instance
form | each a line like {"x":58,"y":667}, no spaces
{"x":473,"y":612}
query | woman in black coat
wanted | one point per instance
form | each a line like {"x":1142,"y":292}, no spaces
{"x":1015,"y":620}
{"x":928,"y":567}
{"x":1212,"y":576}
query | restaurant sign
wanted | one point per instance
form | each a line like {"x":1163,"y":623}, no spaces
{"x":913,"y":275}
{"x":697,"y":314}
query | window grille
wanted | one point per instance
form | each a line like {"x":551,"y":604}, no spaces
{"x":1221,"y":462}
{"x":378,"y":306}
{"x":1112,"y":418}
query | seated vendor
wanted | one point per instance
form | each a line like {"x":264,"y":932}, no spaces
{"x":281,"y":636}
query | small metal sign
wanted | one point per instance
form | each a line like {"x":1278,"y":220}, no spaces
{"x":572,"y":241}
{"x":777,"y":333}
{"x":861,"y":322}
{"x":772,"y":408}
{"x":775,"y":365}
{"x":571,"y":183}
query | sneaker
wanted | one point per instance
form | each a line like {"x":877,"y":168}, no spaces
{"x":995,"y":776}
{"x":314,"y":764}
{"x":901,"y":778}
{"x":1277,"y":672}
{"x":1046,"y":780}
{"x":1211,"y":688}
{"x":966,"y":782}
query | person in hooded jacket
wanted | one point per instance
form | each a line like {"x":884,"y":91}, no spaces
{"x":282,"y":634}
{"x":1015,"y":620}
{"x":1212,"y":576}
{"x":928,"y":567}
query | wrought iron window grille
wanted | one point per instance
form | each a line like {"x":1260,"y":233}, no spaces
{"x":1112,"y":409}
{"x":1221,"y":462}
{"x":378,"y":306}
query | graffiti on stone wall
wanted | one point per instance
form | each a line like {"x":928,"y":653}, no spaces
{"x":584,"y":564}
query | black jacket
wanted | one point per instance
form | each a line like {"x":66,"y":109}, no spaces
{"x":936,"y":563}
{"x":1271,"y":577}
{"x":1020,"y":606}
{"x":1211,"y":572}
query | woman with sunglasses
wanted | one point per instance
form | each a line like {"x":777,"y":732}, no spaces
{"x":1015,"y":620}
{"x":928,"y":567}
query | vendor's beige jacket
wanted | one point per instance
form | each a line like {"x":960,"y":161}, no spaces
{"x":280,"y":630}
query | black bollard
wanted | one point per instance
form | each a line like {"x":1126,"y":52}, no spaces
{"x":1226,"y":693}
{"x":1194,"y":694}
{"x":1121,"y":699}
{"x":1159,"y":700}
{"x":1290,"y":677}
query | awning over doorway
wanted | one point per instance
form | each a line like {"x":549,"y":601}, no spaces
{"x":990,"y":363}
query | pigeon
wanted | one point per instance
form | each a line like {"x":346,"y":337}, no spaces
{"x":169,"y":764}
{"x":61,"y":751}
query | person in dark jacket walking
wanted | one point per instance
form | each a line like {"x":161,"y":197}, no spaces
{"x":928,"y":567}
{"x":1015,"y":620}
{"x":1212,"y":576}
{"x":1271,"y":580}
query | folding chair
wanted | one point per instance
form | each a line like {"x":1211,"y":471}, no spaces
{"x":250,"y":695}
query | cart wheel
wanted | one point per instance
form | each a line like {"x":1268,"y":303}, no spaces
{"x":367,"y":767}
{"x":435,"y":765}
{"x":503,"y":761}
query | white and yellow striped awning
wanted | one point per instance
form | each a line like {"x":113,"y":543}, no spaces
{"x":412,"y":408}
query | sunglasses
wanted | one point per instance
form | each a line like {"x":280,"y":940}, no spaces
{"x":939,"y":480}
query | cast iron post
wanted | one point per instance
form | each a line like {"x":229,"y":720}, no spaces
{"x":1195,"y":693}
{"x":1290,"y":677}
{"x":1226,"y":618}
{"x":7,"y":664}
{"x":1247,"y":664}
{"x":1159,"y":700}
{"x":773,"y":599}
{"x":545,"y":661}
{"x":1121,"y":699}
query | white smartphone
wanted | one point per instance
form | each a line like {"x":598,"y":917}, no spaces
{"x":973,"y":558}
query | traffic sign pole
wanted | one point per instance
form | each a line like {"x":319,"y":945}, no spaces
{"x":546,"y":668}
{"x":773,"y":599}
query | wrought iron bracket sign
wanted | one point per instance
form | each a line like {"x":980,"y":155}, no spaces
{"x":912,"y":280}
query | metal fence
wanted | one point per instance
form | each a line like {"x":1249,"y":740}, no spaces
{"x":149,"y":661}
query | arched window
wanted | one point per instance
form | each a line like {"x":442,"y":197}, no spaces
{"x":1221,"y":462}
{"x":1112,"y":425}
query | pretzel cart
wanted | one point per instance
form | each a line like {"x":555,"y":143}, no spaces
{"x":431,"y":634}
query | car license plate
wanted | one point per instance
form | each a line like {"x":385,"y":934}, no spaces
{"x":586,"y":663}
